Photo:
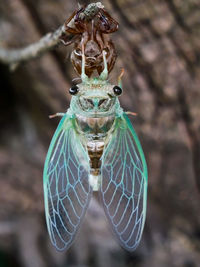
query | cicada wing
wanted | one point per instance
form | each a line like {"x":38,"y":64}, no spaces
{"x":124,"y":184}
{"x":66,"y":185}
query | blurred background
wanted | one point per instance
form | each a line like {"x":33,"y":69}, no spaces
{"x":158,"y":44}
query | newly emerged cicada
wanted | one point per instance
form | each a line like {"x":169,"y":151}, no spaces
{"x":95,"y":148}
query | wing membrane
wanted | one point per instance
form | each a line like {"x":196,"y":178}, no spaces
{"x":66,"y":188}
{"x":124,"y":184}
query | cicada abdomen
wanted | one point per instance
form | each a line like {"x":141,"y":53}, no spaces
{"x":88,"y":29}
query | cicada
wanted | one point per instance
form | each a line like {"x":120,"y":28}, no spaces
{"x":95,"y":148}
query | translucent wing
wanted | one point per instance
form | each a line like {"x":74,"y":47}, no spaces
{"x":66,"y":188}
{"x":124,"y":184}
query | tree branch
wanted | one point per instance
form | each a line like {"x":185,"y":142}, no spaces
{"x":14,"y":57}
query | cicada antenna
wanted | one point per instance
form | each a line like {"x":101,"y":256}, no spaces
{"x":120,"y":78}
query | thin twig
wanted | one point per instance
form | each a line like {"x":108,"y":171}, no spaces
{"x":14,"y":57}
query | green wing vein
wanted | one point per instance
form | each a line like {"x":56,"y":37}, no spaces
{"x":66,"y":188}
{"x":124,"y":184}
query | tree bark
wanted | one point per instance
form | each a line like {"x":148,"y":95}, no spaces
{"x":158,"y":45}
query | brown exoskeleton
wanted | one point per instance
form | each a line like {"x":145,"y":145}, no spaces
{"x":88,"y":28}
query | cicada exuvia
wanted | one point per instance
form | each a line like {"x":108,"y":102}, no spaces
{"x":90,"y":26}
{"x":95,"y":148}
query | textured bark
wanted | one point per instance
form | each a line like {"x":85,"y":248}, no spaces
{"x":158,"y":44}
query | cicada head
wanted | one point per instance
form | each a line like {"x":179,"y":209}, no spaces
{"x":95,"y":98}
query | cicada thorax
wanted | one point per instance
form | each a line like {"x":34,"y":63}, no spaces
{"x":89,"y":31}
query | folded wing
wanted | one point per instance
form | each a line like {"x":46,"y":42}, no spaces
{"x":124,"y":184}
{"x":66,"y":188}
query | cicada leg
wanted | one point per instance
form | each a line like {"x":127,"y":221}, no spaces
{"x":108,"y":21}
{"x":84,"y":77}
{"x":56,"y":115}
{"x":104,"y":74}
{"x":131,"y":113}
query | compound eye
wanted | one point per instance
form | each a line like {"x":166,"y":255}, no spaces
{"x":74,"y":90}
{"x":117,"y":90}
